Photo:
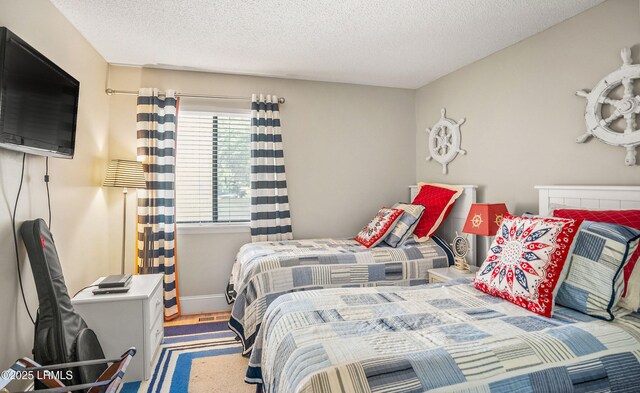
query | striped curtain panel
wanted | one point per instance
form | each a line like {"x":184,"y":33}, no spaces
{"x":270,"y":217}
{"x":156,"y":129}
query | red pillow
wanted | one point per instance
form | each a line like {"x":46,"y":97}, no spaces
{"x":438,"y":200}
{"x":629,"y":218}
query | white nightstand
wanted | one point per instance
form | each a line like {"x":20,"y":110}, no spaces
{"x":132,"y":319}
{"x":444,"y":274}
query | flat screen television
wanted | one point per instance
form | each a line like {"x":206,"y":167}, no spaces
{"x":38,"y":101}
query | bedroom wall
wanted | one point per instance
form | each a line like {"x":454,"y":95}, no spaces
{"x":349,"y":150}
{"x":522,"y":114}
{"x":78,"y":203}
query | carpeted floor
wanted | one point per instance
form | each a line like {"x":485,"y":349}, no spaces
{"x":201,"y":357}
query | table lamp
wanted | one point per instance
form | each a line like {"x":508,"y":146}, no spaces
{"x":483,"y":219}
{"x":124,"y":174}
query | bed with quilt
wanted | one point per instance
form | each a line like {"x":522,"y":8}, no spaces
{"x":554,"y":307}
{"x":266,"y":270}
{"x":446,"y":337}
{"x":396,"y":248}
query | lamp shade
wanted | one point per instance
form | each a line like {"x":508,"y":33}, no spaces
{"x":484,"y":219}
{"x":125,"y":173}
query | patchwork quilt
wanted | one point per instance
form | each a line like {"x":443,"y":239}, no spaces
{"x":446,"y":337}
{"x":264,"y":271}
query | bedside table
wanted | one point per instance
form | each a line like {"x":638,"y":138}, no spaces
{"x":445,"y":274}
{"x":123,"y":320}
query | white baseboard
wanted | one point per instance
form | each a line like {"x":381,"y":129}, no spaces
{"x":203,"y":304}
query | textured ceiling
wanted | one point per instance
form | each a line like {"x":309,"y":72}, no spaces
{"x":399,"y":43}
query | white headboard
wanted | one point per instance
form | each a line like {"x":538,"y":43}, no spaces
{"x":588,"y":197}
{"x":456,"y":219}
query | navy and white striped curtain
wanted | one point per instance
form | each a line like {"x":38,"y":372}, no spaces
{"x":270,"y":217}
{"x":156,"y":130}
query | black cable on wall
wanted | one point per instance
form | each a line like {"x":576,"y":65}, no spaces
{"x":15,"y":238}
{"x":46,"y":182}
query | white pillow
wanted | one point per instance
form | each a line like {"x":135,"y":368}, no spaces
{"x":632,"y":300}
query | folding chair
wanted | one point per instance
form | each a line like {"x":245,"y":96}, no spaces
{"x":108,"y":382}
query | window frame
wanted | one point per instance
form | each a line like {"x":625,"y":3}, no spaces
{"x":214,"y":226}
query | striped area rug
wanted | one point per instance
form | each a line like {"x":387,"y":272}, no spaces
{"x":202,"y":357}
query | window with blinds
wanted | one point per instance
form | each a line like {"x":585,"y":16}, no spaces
{"x":213,"y":158}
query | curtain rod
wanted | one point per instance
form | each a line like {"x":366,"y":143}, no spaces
{"x":111,"y":92}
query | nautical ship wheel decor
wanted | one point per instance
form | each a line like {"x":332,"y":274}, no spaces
{"x":460,"y":248}
{"x":444,"y":140}
{"x":602,"y":125}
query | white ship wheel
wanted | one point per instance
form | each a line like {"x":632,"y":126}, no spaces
{"x":444,"y":140}
{"x":628,"y":107}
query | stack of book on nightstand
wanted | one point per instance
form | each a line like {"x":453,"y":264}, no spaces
{"x":116,"y":283}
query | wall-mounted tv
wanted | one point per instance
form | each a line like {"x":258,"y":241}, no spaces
{"x":38,"y":101}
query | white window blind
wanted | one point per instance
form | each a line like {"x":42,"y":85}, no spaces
{"x":213,"y":161}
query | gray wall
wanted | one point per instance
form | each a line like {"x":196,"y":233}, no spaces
{"x":522,"y":114}
{"x":348,"y":151}
{"x":78,"y":202}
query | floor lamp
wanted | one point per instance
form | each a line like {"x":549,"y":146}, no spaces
{"x":124,"y":174}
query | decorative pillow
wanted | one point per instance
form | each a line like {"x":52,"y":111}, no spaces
{"x":594,"y":281}
{"x":526,"y":261}
{"x":630,"y":218}
{"x":438,"y":200}
{"x":631,"y":300}
{"x":560,"y":206}
{"x":405,"y":225}
{"x":379,"y":227}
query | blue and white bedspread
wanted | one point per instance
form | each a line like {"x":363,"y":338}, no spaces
{"x":442,"y":338}
{"x":266,"y":270}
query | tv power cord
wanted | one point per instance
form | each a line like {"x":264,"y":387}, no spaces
{"x":15,"y":239}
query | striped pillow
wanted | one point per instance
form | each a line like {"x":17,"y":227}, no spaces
{"x":629,"y":218}
{"x":406,"y":224}
{"x":595,"y":279}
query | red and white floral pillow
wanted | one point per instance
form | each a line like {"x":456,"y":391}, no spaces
{"x":526,"y":261}
{"x":379,"y":227}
